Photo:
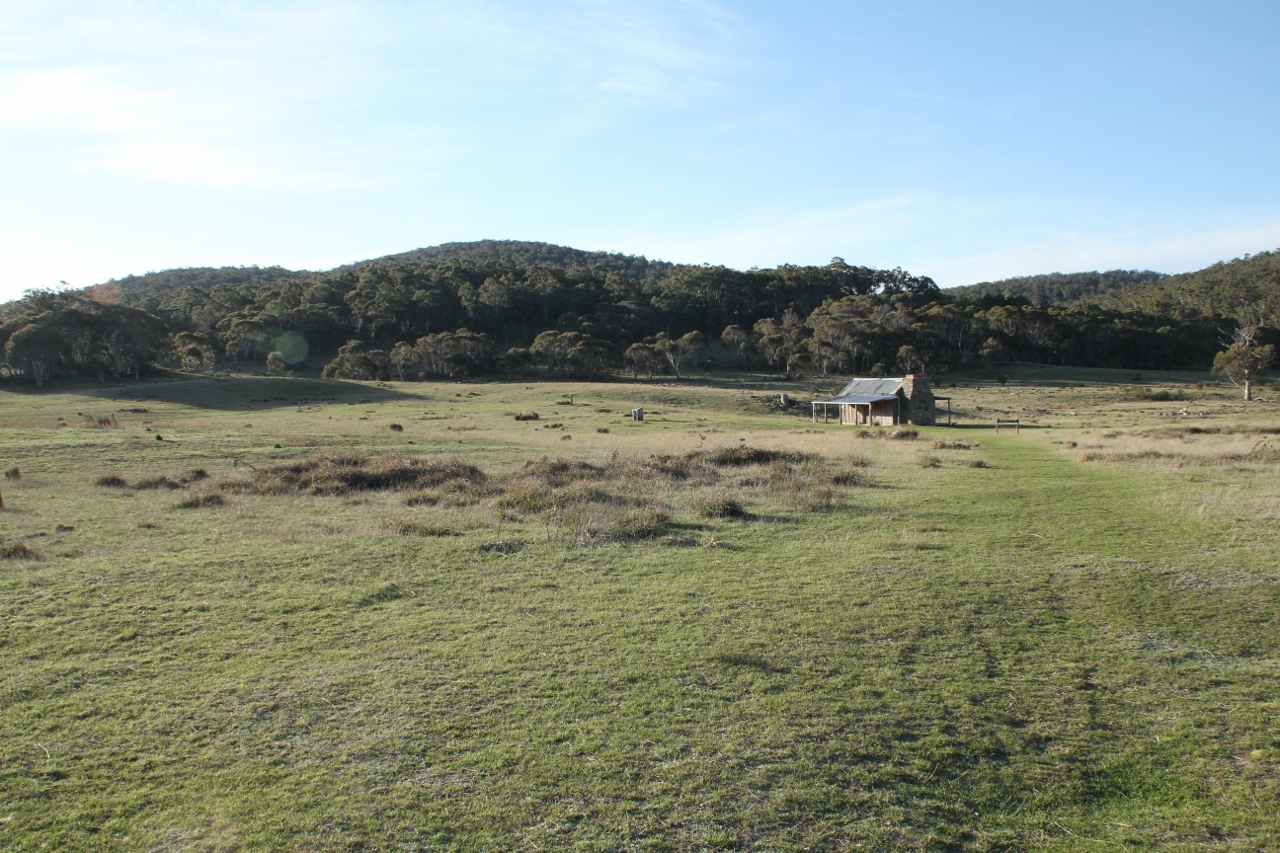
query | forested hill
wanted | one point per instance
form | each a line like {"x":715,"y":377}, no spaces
{"x":147,"y":284}
{"x":1246,"y":288}
{"x":512,"y":253}
{"x":529,"y":254}
{"x":468,"y":309}
{"x":1055,"y":288}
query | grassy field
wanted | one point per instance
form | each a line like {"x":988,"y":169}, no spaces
{"x":284,"y":614}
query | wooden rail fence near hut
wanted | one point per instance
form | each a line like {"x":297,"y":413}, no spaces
{"x":1007,"y":421}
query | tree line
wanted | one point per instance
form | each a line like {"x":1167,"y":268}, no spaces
{"x":494,"y":310}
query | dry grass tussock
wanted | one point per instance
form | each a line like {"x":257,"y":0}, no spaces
{"x":343,"y":474}
{"x":1231,"y":471}
{"x":618,"y":498}
{"x":1224,"y":452}
{"x":17,"y":551}
{"x":157,"y":482}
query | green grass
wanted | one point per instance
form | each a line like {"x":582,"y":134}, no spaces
{"x":1044,"y":654}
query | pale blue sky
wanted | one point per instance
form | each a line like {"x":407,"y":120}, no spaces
{"x":965,"y":141}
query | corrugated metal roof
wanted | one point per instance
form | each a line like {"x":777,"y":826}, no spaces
{"x":859,"y":399}
{"x":881,"y":387}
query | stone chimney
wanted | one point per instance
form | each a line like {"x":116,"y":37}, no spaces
{"x":919,"y":393}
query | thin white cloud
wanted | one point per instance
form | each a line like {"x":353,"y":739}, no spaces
{"x":334,"y":95}
{"x":152,"y":132}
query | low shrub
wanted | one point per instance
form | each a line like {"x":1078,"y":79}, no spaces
{"x":13,"y":473}
{"x":903,"y":434}
{"x":111,"y":481}
{"x":527,"y":416}
{"x":396,"y":427}
{"x":946,"y":444}
{"x":928,"y":461}
{"x":978,"y":463}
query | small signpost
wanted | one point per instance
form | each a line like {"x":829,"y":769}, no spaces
{"x":1006,"y":422}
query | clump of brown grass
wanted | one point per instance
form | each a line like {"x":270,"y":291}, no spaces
{"x":99,"y":422}
{"x":849,"y":478}
{"x":718,"y":505}
{"x":977,"y":463}
{"x":928,"y":460}
{"x":13,"y":473}
{"x":413,"y":528}
{"x":596,"y":522}
{"x":505,"y":547}
{"x":111,"y":481}
{"x":396,"y":427}
{"x":664,"y":466}
{"x":951,"y":444}
{"x":337,"y":474}
{"x":17,"y":551}
{"x":211,"y":499}
{"x":161,"y":482}
{"x":531,"y":495}
{"x":386,"y":592}
{"x":560,"y":471}
{"x":739,"y":658}
{"x":903,"y":434}
{"x":907,"y":542}
{"x":741,"y":455}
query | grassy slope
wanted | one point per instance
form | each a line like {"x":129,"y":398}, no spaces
{"x":1025,"y":656}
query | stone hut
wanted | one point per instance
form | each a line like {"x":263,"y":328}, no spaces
{"x":881,"y":402}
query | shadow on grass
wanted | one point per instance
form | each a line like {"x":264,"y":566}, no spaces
{"x":222,"y":393}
